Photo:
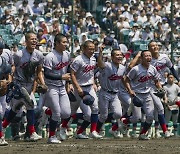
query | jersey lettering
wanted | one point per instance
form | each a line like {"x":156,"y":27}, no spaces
{"x":61,"y":65}
{"x":160,"y":67}
{"x":115,"y":77}
{"x":145,"y":78}
{"x":88,"y":68}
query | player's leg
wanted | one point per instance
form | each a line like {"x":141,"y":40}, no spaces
{"x":148,"y":108}
{"x":116,"y":108}
{"x":103,"y":105}
{"x":2,"y":111}
{"x":94,"y":114}
{"x":52,"y":97}
{"x":160,"y":109}
{"x":65,"y":112}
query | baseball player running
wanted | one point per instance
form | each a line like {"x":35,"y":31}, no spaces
{"x":111,"y":74}
{"x":28,"y":65}
{"x":82,"y":72}
{"x":138,"y":83}
{"x":161,"y":62}
{"x":6,"y":61}
{"x":55,"y":71}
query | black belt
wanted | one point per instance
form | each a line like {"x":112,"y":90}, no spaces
{"x":86,"y":85}
{"x":109,"y":91}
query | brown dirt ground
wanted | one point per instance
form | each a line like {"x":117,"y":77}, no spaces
{"x":91,"y":146}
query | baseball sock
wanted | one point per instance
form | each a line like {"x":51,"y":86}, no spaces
{"x":145,"y":128}
{"x":52,"y":127}
{"x":1,"y":133}
{"x":99,"y":126}
{"x":162,"y":122}
{"x":48,"y":111}
{"x":10,"y":116}
{"x":30,"y":121}
{"x":65,"y":122}
{"x":115,"y":126}
{"x":94,"y":119}
{"x":84,"y":125}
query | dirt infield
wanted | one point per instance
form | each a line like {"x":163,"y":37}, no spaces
{"x":91,"y":146}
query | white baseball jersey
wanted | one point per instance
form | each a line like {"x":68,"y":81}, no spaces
{"x":21,"y":59}
{"x":162,"y":63}
{"x":58,"y":64}
{"x":141,"y":78}
{"x":110,"y":77}
{"x":8,"y":55}
{"x":84,"y":68}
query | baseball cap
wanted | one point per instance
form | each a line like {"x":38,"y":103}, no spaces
{"x":87,"y":98}
{"x":88,"y":14}
{"x":2,"y":46}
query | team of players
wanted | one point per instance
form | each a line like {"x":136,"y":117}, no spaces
{"x":118,"y":85}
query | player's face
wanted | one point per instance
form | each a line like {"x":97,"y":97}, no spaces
{"x":31,"y":42}
{"x":170,"y":79}
{"x":154,"y":48}
{"x":89,"y":50}
{"x":146,"y":58}
{"x":62,"y":45}
{"x":117,"y":57}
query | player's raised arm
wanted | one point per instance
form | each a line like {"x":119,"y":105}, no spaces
{"x":100,"y":57}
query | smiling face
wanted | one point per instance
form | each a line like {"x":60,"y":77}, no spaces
{"x":31,"y":41}
{"x":153,"y":48}
{"x":116,"y":57}
{"x":89,"y":48}
{"x":146,"y":58}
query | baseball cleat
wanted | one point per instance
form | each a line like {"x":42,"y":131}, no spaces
{"x":143,"y":137}
{"x":95,"y":134}
{"x":53,"y":140}
{"x":116,"y":133}
{"x":157,"y":134}
{"x":167,"y":134}
{"x":81,"y":136}
{"x":62,"y":134}
{"x":35,"y":137}
{"x":3,"y":142}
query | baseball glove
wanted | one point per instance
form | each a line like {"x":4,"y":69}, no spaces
{"x":160,"y":92}
{"x":137,"y":101}
{"x":3,"y":87}
{"x":29,"y":69}
{"x":41,"y":89}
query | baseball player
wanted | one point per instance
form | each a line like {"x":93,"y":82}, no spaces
{"x":55,"y":71}
{"x":28,"y":65}
{"x":138,"y":83}
{"x":5,"y":78}
{"x":82,"y":72}
{"x":161,"y":62}
{"x":171,"y":109}
{"x":111,"y":74}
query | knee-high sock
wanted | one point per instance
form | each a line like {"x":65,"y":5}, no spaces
{"x":94,"y":120}
{"x":52,"y":127}
{"x":30,"y":121}
{"x":162,"y":122}
{"x":84,"y":125}
{"x":10,"y":116}
{"x":146,"y":127}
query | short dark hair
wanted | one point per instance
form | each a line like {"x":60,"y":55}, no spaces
{"x":86,"y":43}
{"x":27,"y":35}
{"x":58,"y":38}
{"x":151,"y":42}
{"x":113,"y":51}
{"x":142,"y":53}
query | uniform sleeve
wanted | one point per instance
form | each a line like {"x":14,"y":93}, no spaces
{"x":75,"y":65}
{"x":16,"y":58}
{"x":47,"y":62}
{"x":132,"y":74}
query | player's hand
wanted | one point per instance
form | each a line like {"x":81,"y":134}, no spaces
{"x":132,"y":93}
{"x":95,"y":87}
{"x":101,"y":47}
{"x":66,"y":77}
{"x":80,"y":92}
